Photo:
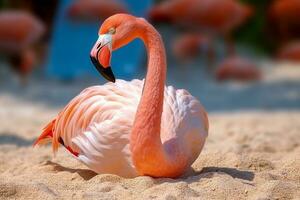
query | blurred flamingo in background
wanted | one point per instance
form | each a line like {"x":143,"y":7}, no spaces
{"x":236,"y":68}
{"x":95,"y":9}
{"x":285,"y":15}
{"x":219,"y":17}
{"x":19,"y":31}
{"x":290,"y":52}
{"x":130,"y":128}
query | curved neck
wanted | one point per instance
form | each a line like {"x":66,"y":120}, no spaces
{"x":151,"y":103}
{"x":148,"y":153}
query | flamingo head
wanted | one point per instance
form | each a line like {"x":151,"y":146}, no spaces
{"x":115,"y":32}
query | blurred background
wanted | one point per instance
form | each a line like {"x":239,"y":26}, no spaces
{"x":233,"y":55}
{"x":240,"y":58}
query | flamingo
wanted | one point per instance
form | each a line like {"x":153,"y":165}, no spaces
{"x":285,"y":15}
{"x":236,"y":68}
{"x":95,"y":9}
{"x":19,"y":31}
{"x":219,"y":17}
{"x":131,"y":128}
{"x":290,"y":51}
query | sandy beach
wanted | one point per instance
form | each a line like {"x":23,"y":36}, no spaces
{"x":249,"y":154}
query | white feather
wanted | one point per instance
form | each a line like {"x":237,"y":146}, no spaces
{"x":102,"y":117}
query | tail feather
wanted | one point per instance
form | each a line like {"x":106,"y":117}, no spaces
{"x":46,"y":134}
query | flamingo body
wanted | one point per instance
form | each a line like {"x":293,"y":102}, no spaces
{"x":95,"y":9}
{"x":217,"y":15}
{"x":286,"y":11}
{"x":19,"y":31}
{"x":131,"y":128}
{"x":97,"y":125}
{"x":284,"y":15}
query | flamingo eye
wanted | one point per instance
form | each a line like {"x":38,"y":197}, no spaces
{"x":112,"y":31}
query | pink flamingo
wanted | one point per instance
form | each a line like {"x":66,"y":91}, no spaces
{"x":95,"y":9}
{"x":19,"y":31}
{"x":220,"y":17}
{"x":285,"y":16}
{"x":236,"y":68}
{"x":131,"y":128}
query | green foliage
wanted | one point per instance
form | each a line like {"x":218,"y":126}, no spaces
{"x":4,"y":3}
{"x":254,"y":33}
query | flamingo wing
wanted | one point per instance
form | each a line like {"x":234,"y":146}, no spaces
{"x":96,"y":124}
{"x":184,"y":125}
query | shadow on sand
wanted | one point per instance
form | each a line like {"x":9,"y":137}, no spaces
{"x":209,"y":172}
{"x":84,"y":173}
{"x":193,"y":176}
{"x":234,"y":173}
{"x":9,"y":138}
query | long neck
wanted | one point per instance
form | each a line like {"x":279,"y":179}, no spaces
{"x":148,"y":153}
{"x":150,"y":107}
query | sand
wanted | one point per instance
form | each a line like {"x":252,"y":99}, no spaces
{"x":249,"y":154}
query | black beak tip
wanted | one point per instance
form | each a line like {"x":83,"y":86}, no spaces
{"x":107,"y":73}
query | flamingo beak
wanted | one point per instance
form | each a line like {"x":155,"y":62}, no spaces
{"x":101,"y":56}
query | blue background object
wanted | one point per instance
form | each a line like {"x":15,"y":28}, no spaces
{"x":72,"y":41}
